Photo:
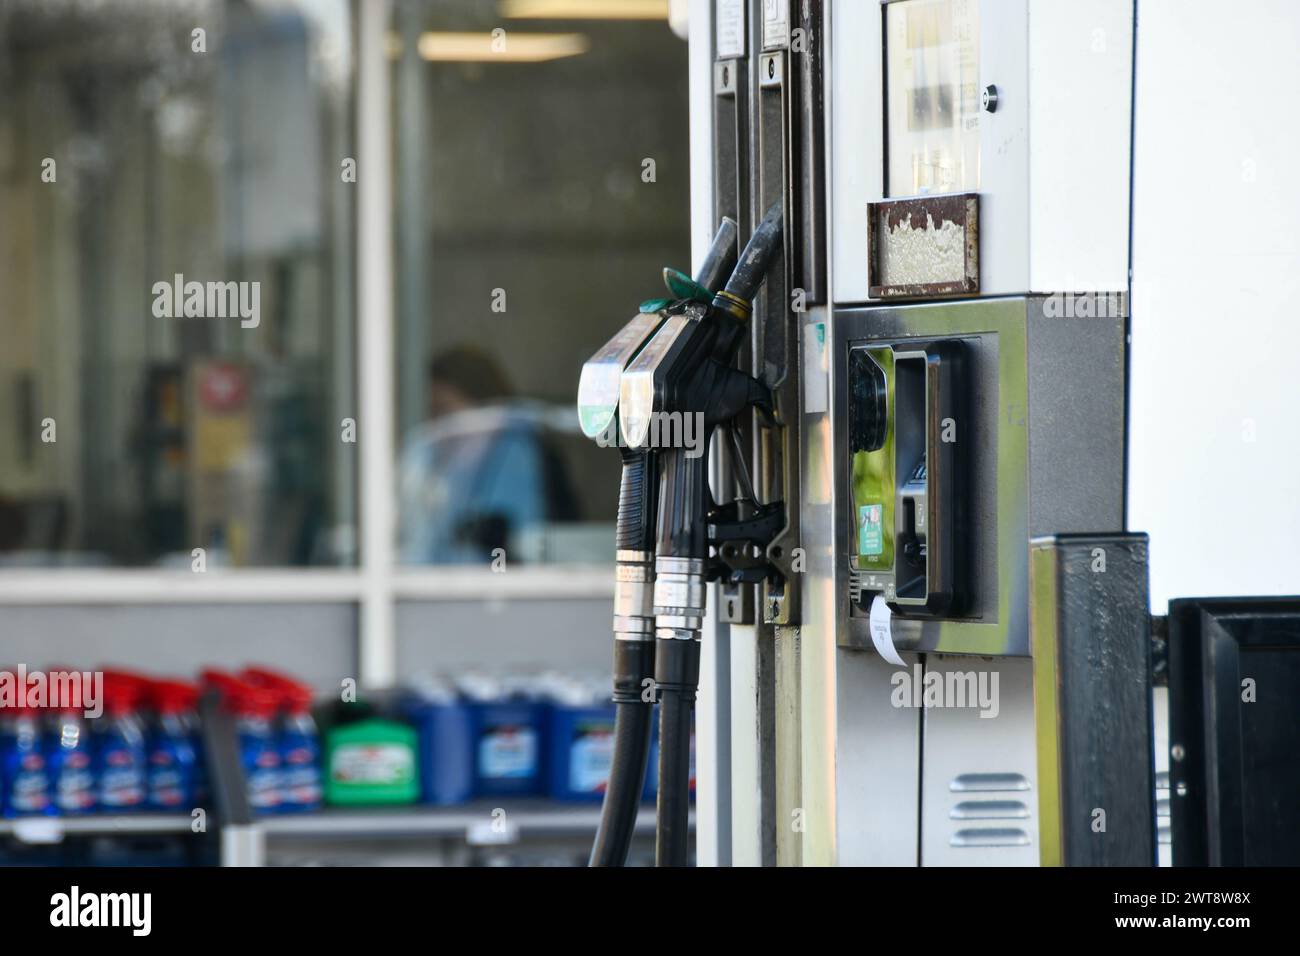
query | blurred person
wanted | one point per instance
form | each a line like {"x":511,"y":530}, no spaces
{"x":481,"y":470}
{"x":465,"y":377}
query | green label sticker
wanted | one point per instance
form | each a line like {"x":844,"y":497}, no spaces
{"x":871,"y":538}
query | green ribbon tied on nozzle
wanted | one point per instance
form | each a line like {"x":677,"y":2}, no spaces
{"x":682,"y":288}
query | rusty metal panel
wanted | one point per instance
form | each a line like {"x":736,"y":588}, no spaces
{"x":931,"y":226}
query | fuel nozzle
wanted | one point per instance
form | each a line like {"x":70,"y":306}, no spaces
{"x":599,"y":415}
{"x":598,"y":385}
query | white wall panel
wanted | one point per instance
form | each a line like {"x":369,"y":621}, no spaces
{"x":1214,"y":436}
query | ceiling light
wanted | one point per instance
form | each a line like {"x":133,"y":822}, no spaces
{"x":585,"y":9}
{"x":503,"y":47}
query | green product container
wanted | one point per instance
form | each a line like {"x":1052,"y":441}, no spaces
{"x":371,"y":761}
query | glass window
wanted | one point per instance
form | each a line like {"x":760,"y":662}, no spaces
{"x":177,"y":258}
{"x":932,"y":52}
{"x":541,"y":182}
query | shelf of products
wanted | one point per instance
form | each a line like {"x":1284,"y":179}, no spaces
{"x":453,"y":767}
{"x":480,"y":823}
{"x":53,"y":829}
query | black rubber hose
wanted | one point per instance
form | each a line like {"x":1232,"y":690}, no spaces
{"x":677,"y":674}
{"x":633,"y":668}
{"x":681,"y":534}
{"x":633,"y":720}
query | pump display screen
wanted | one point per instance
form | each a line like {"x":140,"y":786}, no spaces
{"x":933,"y":108}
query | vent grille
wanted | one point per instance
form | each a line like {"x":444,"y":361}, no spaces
{"x":990,"y":836}
{"x":988,"y":782}
{"x":990,"y":810}
{"x":999,"y":810}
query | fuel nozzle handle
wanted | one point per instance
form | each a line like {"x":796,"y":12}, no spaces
{"x":636,"y":500}
{"x":711,"y":392}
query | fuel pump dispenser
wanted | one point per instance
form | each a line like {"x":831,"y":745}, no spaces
{"x":933,"y":629}
{"x":943,"y":343}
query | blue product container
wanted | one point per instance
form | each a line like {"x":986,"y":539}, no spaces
{"x":506,"y":733}
{"x":507,"y":740}
{"x":173,"y":760}
{"x":254,"y":710}
{"x":121,"y":761}
{"x":171,"y":765}
{"x":297,"y":737}
{"x":300,"y":762}
{"x":260,"y":753}
{"x":72,"y":773}
{"x":23,"y":764}
{"x":443,"y":722}
{"x":580,"y":751}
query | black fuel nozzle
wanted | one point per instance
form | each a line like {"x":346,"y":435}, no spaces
{"x":599,"y":398}
{"x":598,"y":386}
{"x":688,"y":375}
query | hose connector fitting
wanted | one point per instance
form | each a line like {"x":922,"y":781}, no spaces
{"x":680,"y":596}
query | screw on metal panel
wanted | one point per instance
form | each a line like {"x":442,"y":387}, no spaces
{"x":989,"y":99}
{"x":1177,"y":752}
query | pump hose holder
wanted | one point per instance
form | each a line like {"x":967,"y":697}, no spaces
{"x":740,"y":544}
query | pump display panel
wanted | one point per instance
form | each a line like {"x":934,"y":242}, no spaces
{"x":933,"y":97}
